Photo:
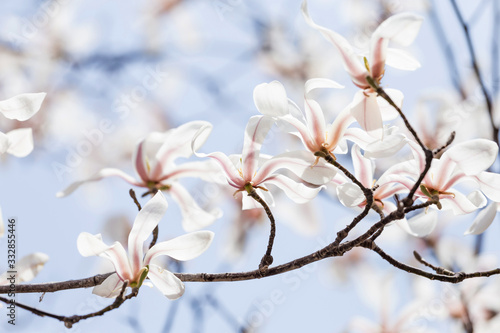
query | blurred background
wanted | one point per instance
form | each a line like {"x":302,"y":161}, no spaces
{"x":115,"y":71}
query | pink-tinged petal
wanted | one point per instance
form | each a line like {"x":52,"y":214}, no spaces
{"x":109,"y":288}
{"x":387,"y":111}
{"x":400,"y":59}
{"x":298,"y":192}
{"x":147,"y":219}
{"x":303,"y":132}
{"x":207,"y":170}
{"x":29,"y":266}
{"x":350,"y":59}
{"x":270,"y":99}
{"x":227,"y":167}
{"x":4,"y":143}
{"x":139,"y":159}
{"x":301,"y":164}
{"x":180,"y":144}
{"x":462,"y":204}
{"x":350,"y":195}
{"x":366,"y":111}
{"x":442,"y":172}
{"x":363,"y":167}
{"x":473,"y":156}
{"x":92,"y":245}
{"x":338,"y":128}
{"x":489,"y":183}
{"x":483,"y":220}
{"x":401,"y":28}
{"x":168,"y":284}
{"x":185,"y":247}
{"x":255,"y":133}
{"x":22,"y":107}
{"x":315,"y":121}
{"x":418,"y":155}
{"x":388,"y":189}
{"x":423,"y":224}
{"x":193,"y":216}
{"x":390,"y":207}
{"x":108,"y":172}
{"x":20,"y":142}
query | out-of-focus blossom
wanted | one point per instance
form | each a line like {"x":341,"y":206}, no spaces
{"x":401,"y":29}
{"x":350,"y":195}
{"x":137,"y":265}
{"x":19,"y":142}
{"x":154,"y":164}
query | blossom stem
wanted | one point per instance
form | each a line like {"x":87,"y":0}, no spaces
{"x":267,"y":259}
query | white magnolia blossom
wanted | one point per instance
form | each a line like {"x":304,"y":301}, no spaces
{"x":154,"y":159}
{"x":136,"y":266}
{"x":252,"y":170}
{"x":465,"y":162}
{"x":368,"y":109}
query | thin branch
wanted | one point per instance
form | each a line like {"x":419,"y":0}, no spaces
{"x":267,"y":259}
{"x":475,"y":66}
{"x":449,"y":55}
{"x":70,"y":321}
{"x":439,"y":270}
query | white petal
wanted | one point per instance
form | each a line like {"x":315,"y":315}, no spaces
{"x":20,"y":142}
{"x":350,"y":59}
{"x":109,"y":288}
{"x":193,"y":216}
{"x":255,"y":133}
{"x":367,"y":113}
{"x":363,"y":167}
{"x":301,"y":164}
{"x":270,"y":99}
{"x":185,"y":247}
{"x":489,"y":183}
{"x":22,"y":107}
{"x":483,"y":220}
{"x":473,"y":156}
{"x":387,"y":111}
{"x":401,"y":60}
{"x":108,"y":172}
{"x":298,"y":192}
{"x":423,"y":224}
{"x":400,"y":28}
{"x":462,"y":204}
{"x":350,"y":195}
{"x":317,"y":83}
{"x":92,"y":245}
{"x":168,"y":284}
{"x":4,"y":143}
{"x":147,"y":219}
{"x":387,"y":147}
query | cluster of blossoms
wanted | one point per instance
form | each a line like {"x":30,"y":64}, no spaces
{"x":301,"y":175}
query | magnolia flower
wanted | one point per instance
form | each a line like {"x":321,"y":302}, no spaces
{"x":154,"y":159}
{"x":466,"y":161}
{"x":312,"y":129}
{"x":19,"y":142}
{"x":251,"y":170}
{"x":369,"y":110}
{"x":135,"y":267}
{"x":350,"y":195}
